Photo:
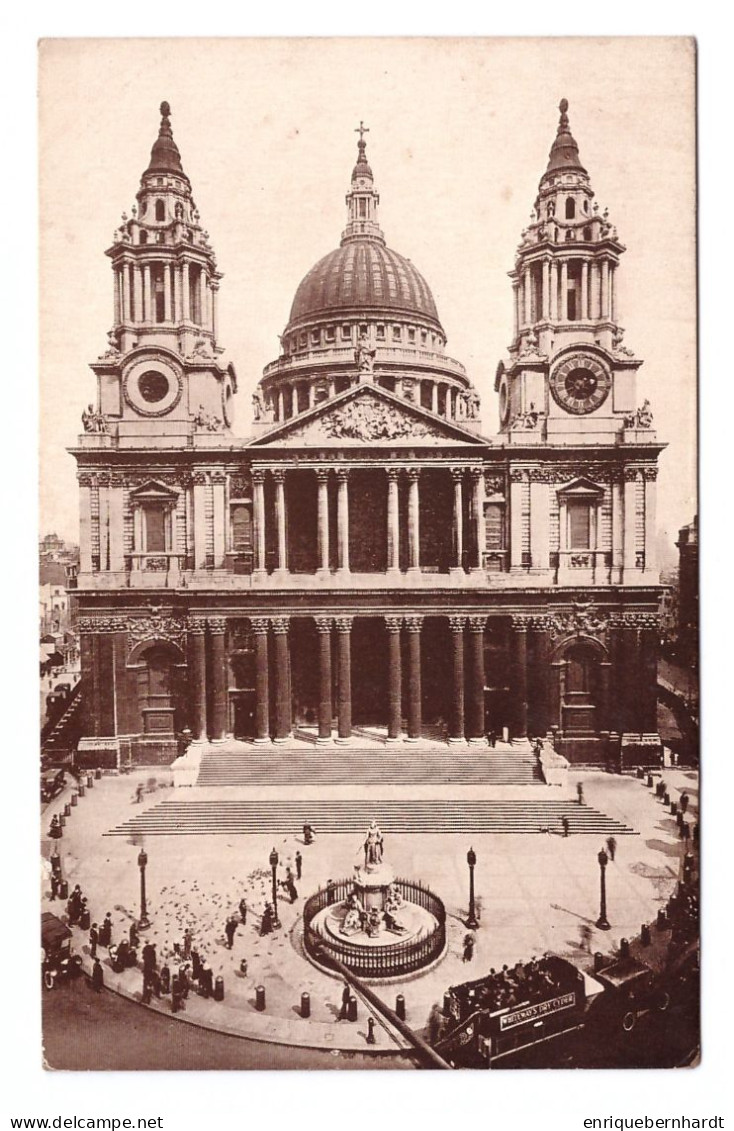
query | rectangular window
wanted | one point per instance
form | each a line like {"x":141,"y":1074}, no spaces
{"x":346,"y":332}
{"x":381,"y":333}
{"x":494,"y":515}
{"x":241,"y":528}
{"x":579,"y":526}
{"x":411,"y":335}
{"x":155,"y":530}
{"x":330,"y":333}
{"x":315,"y":337}
{"x":362,"y":207}
{"x":396,"y":334}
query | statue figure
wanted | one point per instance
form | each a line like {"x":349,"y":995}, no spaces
{"x":88,"y":419}
{"x":472,"y":404}
{"x":258,"y":408}
{"x":644,"y":415}
{"x":374,"y":922}
{"x":201,"y":348}
{"x":630,"y":419}
{"x":93,"y":421}
{"x":408,"y":389}
{"x":373,"y":845}
{"x":364,"y":355}
{"x":531,"y":417}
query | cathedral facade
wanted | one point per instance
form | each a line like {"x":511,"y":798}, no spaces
{"x":366,"y":558}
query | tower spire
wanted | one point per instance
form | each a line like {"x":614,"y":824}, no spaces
{"x":164,"y":156}
{"x":362,"y":198}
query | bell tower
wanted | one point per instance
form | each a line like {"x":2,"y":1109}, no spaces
{"x":161,"y":374}
{"x":568,"y":378}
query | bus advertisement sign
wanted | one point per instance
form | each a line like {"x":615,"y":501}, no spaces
{"x":541,"y":1009}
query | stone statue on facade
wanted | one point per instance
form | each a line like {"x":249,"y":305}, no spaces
{"x":258,"y":406}
{"x":364,"y":355}
{"x":373,"y":845}
{"x":472,"y":404}
{"x":208,"y":421}
{"x":644,"y":415}
{"x":93,"y":421}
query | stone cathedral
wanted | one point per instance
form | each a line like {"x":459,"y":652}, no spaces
{"x":366,"y":561}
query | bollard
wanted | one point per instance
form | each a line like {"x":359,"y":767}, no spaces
{"x":679,"y":818}
{"x":640,"y":772}
{"x":662,"y":920}
{"x":305,"y":1005}
{"x":219,"y":988}
{"x":674,"y":809}
{"x":74,"y":799}
{"x":90,"y":781}
{"x":352,"y":1009}
{"x":649,"y":781}
{"x":685,"y":830}
{"x":666,"y":798}
{"x":400,"y":1006}
{"x":81,"y":790}
{"x":624,"y":948}
{"x":645,"y":938}
{"x":97,"y":774}
{"x":85,"y":919}
{"x":165,"y":980}
{"x":63,"y":889}
{"x":67,"y":809}
{"x":62,"y":820}
{"x":243,"y":966}
{"x":260,"y":998}
{"x":598,"y":961}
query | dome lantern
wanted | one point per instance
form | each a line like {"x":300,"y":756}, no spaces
{"x":362,"y":198}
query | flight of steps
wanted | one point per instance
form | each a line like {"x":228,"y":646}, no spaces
{"x":244,"y":765}
{"x":283,"y":818}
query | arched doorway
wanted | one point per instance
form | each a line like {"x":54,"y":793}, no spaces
{"x":157,"y":678}
{"x":580,"y":688}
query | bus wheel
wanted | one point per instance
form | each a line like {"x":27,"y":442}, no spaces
{"x":48,"y":979}
{"x":663,"y":1001}
{"x":628,"y":1022}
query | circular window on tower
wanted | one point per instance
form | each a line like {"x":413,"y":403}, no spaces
{"x":152,"y":391}
{"x":153,"y":386}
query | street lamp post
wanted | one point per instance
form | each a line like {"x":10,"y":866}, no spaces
{"x":471,"y":859}
{"x":602,"y":922}
{"x":274,"y":865}
{"x":143,"y":921}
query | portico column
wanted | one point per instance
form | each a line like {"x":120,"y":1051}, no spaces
{"x":457,"y":474}
{"x":563,"y":313}
{"x":262,"y":679}
{"x":413,"y":520}
{"x":279,"y":478}
{"x":197,"y":677}
{"x":394,"y":678}
{"x":342,"y":521}
{"x":434,"y":397}
{"x":217,"y":629}
{"x":480,"y":524}
{"x":415,"y":692}
{"x":520,"y":663}
{"x":326,"y":710}
{"x":322,"y":479}
{"x":554,"y":292}
{"x":630,"y":514}
{"x":344,"y":669}
{"x":475,"y":707}
{"x":282,"y":679}
{"x":393,"y":521}
{"x":258,"y":508}
{"x":456,"y":723}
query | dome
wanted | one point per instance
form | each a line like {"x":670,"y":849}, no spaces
{"x":366,"y":275}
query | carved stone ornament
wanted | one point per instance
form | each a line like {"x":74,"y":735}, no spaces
{"x":156,"y":627}
{"x":87,"y":625}
{"x":240,"y":486}
{"x":366,"y":420}
{"x":494,"y":484}
{"x":582,"y":620}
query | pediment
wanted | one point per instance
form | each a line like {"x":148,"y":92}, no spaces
{"x":366,"y":415}
{"x":153,"y":491}
{"x":581,"y":488}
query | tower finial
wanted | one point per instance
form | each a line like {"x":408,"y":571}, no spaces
{"x":563,"y":123}
{"x":165,"y":110}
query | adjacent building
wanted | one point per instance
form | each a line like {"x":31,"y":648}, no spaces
{"x":367,"y":558}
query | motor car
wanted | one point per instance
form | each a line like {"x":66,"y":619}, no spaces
{"x":58,"y":960}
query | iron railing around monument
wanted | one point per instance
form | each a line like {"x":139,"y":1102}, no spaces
{"x":390,"y":961}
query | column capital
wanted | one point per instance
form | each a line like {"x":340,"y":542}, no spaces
{"x":457,"y":624}
{"x":258,"y":475}
{"x":477,"y":624}
{"x":323,"y":624}
{"x":217,"y":625}
{"x":457,"y":474}
{"x":342,"y":474}
{"x":393,"y":624}
{"x":343,"y":624}
{"x":414,"y":623}
{"x":278,"y":474}
{"x":280,"y":625}
{"x":521,"y":622}
{"x":475,"y":473}
{"x":413,"y":474}
{"x":259,"y":625}
{"x":196,"y":625}
{"x":393,"y":473}
{"x":322,"y":474}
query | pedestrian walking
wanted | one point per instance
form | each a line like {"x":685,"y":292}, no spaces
{"x":299,"y":865}
{"x":134,"y":936}
{"x":176,"y":995}
{"x":188,"y":939}
{"x":565,"y":825}
{"x":105,"y":931}
{"x":207,"y":980}
{"x":230,"y":930}
{"x":243,"y":911}
{"x":97,"y":977}
{"x":580,"y":792}
{"x":308,"y":833}
{"x":611,"y":846}
{"x":493,"y":738}
{"x":585,"y":933}
{"x":148,"y":958}
{"x":266,"y":923}
{"x":291,"y":888}
{"x":468,"y":947}
{"x":344,"y":1011}
{"x":684,"y":799}
{"x":93,"y":940}
{"x":139,"y":789}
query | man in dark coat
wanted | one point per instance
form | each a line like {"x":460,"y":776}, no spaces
{"x":299,"y":865}
{"x":243,"y":911}
{"x":148,"y":958}
{"x":346,"y":994}
{"x":105,"y":931}
{"x":134,"y":936}
{"x":230,"y":930}
{"x":93,"y":940}
{"x":97,"y":976}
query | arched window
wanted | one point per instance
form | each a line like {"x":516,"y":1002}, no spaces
{"x":179,"y":211}
{"x":160,"y":210}
{"x":570,"y":208}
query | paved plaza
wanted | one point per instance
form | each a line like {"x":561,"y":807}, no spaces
{"x":536,"y":889}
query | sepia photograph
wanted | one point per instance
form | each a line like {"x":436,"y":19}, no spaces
{"x":368,"y":554}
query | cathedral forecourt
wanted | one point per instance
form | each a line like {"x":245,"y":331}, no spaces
{"x":367,"y":561}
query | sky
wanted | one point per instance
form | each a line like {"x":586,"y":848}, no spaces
{"x":459,"y":134}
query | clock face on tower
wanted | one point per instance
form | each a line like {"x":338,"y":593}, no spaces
{"x":580,"y":384}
